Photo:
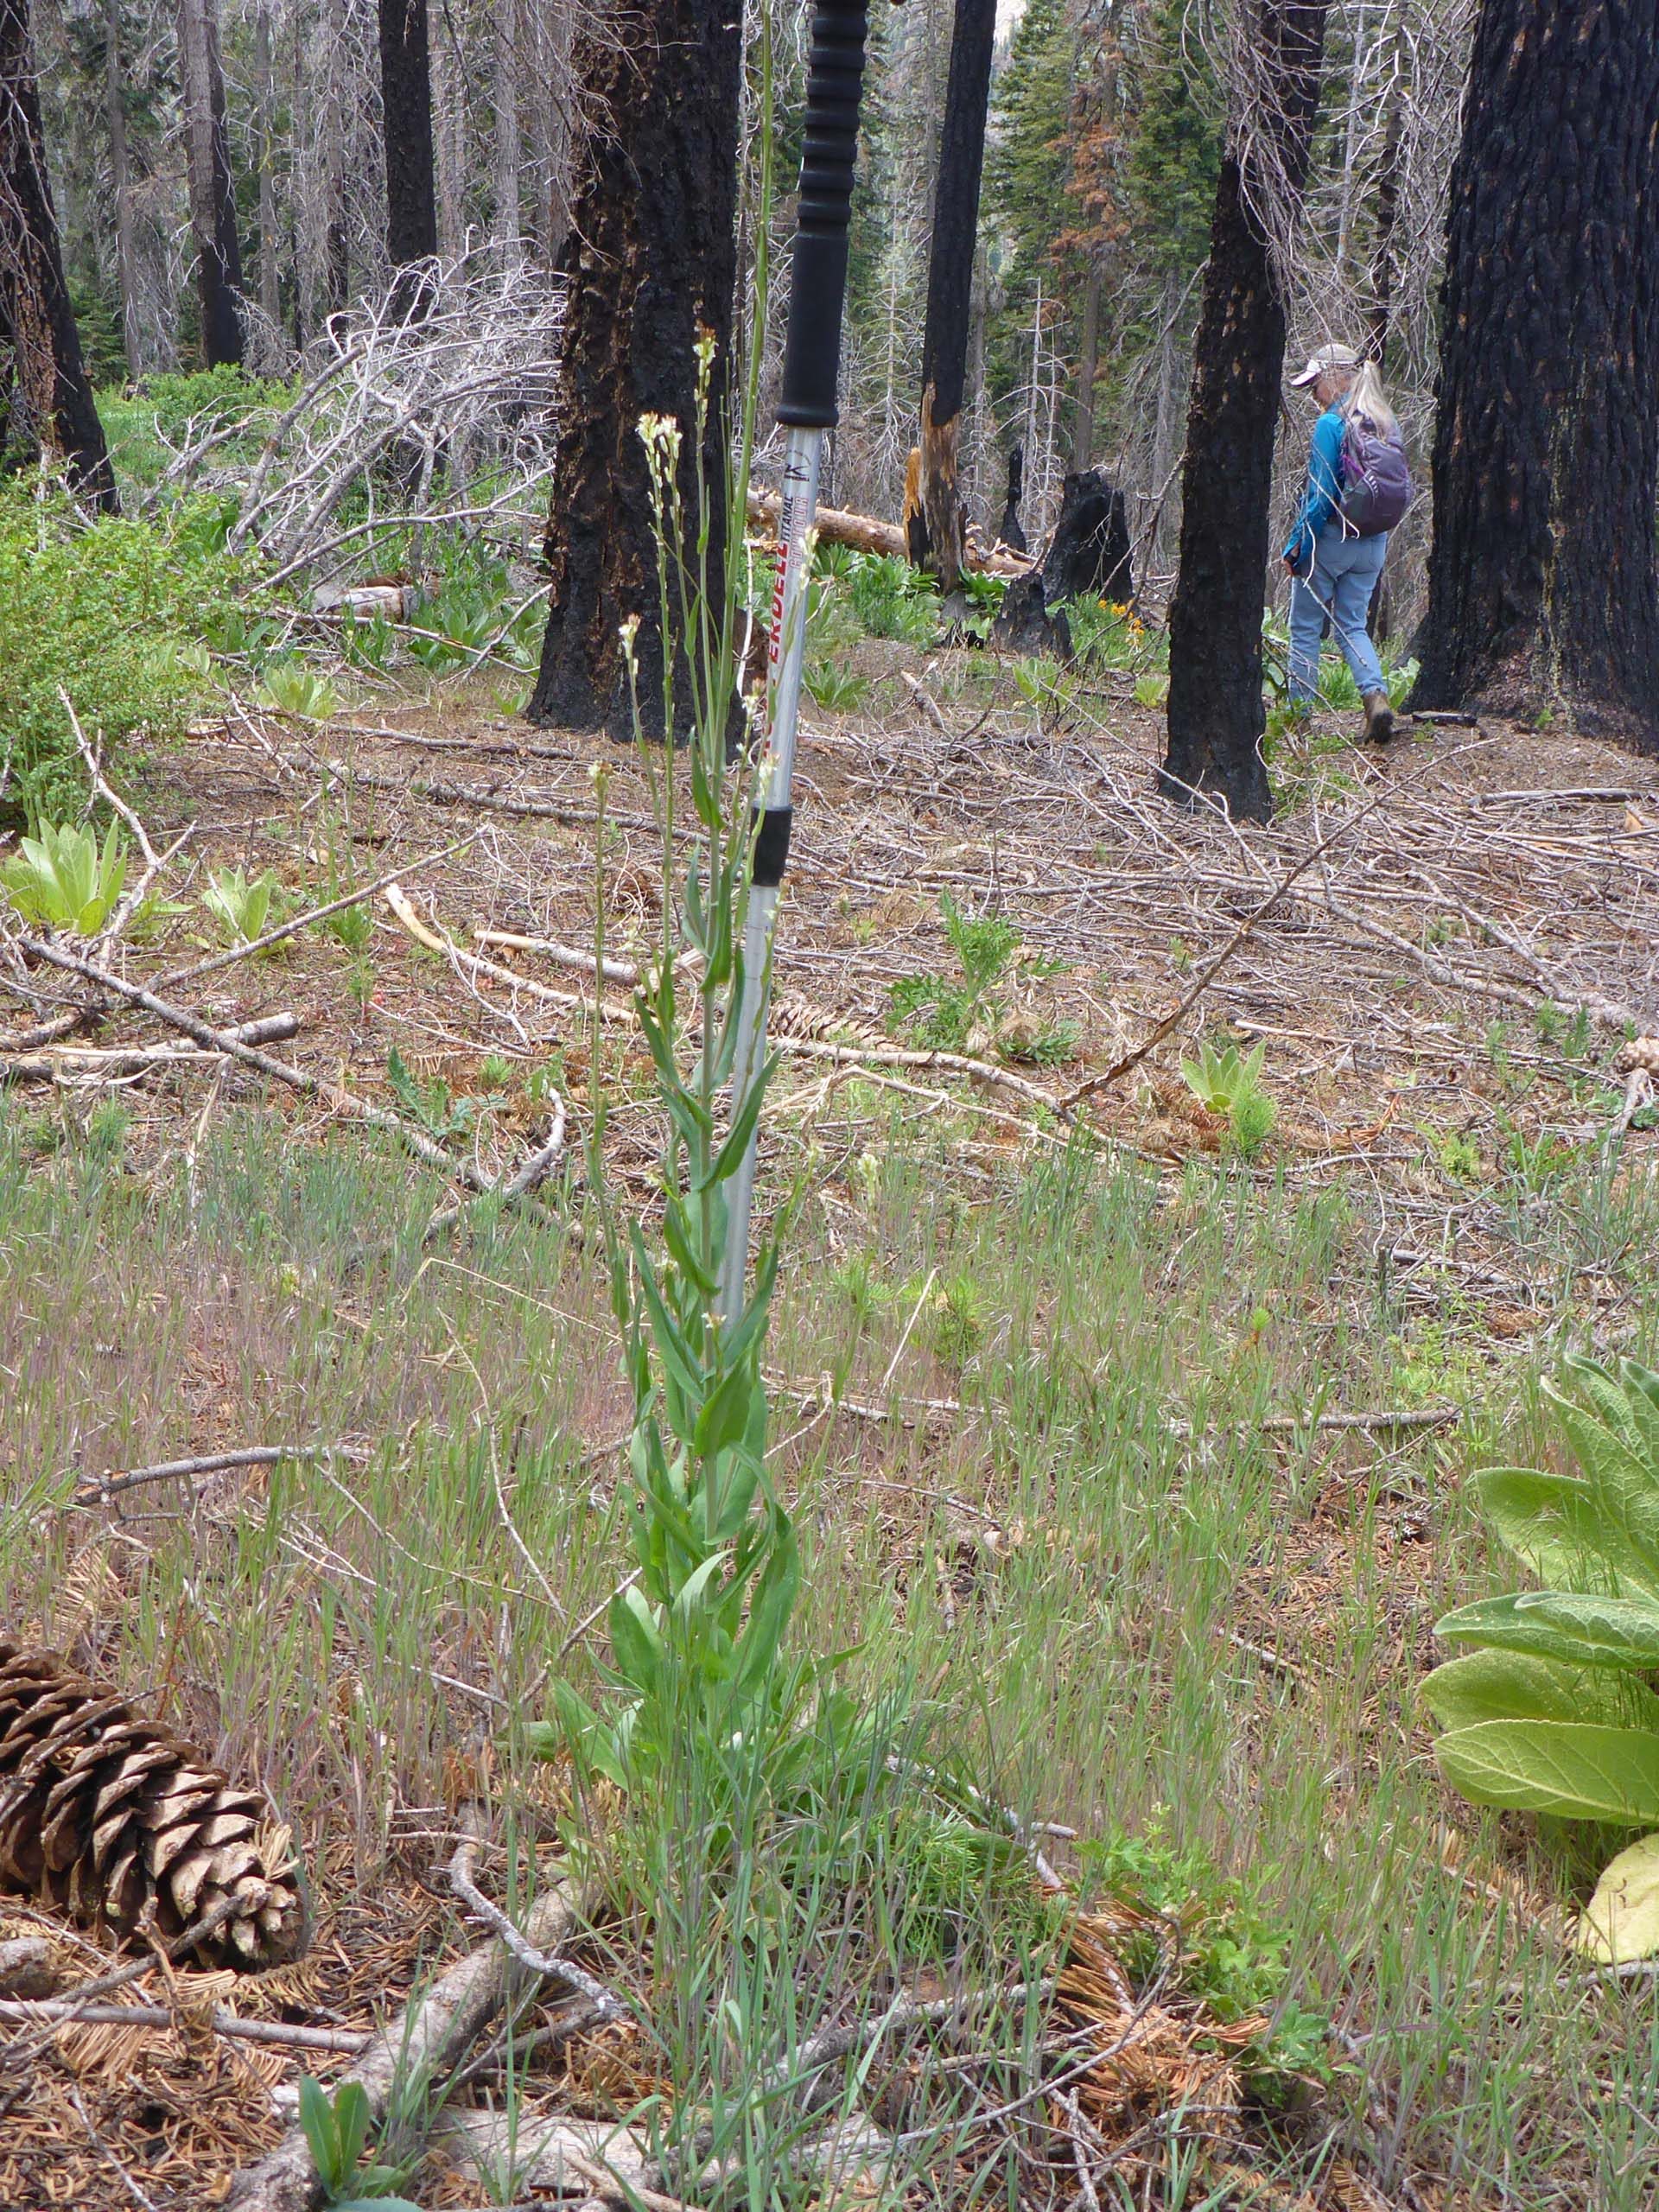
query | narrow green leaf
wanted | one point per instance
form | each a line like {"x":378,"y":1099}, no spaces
{"x":725,"y":1414}
{"x":729,"y":1156}
{"x":636,"y":1641}
{"x":770,"y":1609}
{"x":1577,"y":1770}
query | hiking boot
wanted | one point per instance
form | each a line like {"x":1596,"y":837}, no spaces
{"x":1379,"y":718}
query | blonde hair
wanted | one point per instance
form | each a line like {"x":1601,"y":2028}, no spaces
{"x":1366,"y":397}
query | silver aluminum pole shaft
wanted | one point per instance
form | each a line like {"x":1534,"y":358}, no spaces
{"x":783,"y":661}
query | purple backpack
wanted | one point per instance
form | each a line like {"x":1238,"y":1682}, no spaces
{"x":1376,"y":477}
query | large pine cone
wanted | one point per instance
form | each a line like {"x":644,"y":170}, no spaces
{"x":103,"y":1816}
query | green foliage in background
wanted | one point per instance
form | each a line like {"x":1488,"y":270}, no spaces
{"x":120,"y":614}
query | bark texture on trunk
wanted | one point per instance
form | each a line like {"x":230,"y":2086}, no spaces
{"x":115,"y":107}
{"x":411,"y":186}
{"x":650,"y":256}
{"x":48,"y":386}
{"x":950,"y":280}
{"x":1542,"y":589}
{"x":1216,"y":717}
{"x":507,"y":149}
{"x":212,"y":196}
{"x":270,"y":286}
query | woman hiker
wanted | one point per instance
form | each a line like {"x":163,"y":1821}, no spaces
{"x":1357,"y":488}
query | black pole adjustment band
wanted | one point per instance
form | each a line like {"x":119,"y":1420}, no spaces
{"x":771,"y":846}
{"x":818,"y":287}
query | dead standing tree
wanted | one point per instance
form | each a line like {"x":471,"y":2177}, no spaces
{"x":949,"y":283}
{"x":37,"y":323}
{"x":213,"y":194}
{"x":650,"y":256}
{"x":411,"y":188}
{"x":1215,"y":717}
{"x":1541,"y":584}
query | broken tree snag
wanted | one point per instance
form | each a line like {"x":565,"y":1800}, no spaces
{"x":1088,"y":556}
{"x":949,"y":282}
{"x":51,"y":398}
{"x":411,"y":176}
{"x":1010,"y":531}
{"x":1216,"y":718}
{"x":1026,"y":623}
{"x":211,"y":190}
{"x":914,"y":526}
{"x":1542,"y":584}
{"x":650,"y":257}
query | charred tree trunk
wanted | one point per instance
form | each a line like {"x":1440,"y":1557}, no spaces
{"x":49,"y":384}
{"x":213,"y":197}
{"x":1011,"y":531}
{"x":336,"y":256}
{"x":270,"y":283}
{"x":950,"y":280}
{"x":1215,"y":717}
{"x":1541,"y":579}
{"x":650,"y":256}
{"x":1089,"y":556}
{"x":1379,"y":616}
{"x":412,"y":187}
{"x":115,"y":108}
{"x":1082,"y":428}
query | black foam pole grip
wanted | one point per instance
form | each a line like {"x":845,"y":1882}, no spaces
{"x":817,"y":288}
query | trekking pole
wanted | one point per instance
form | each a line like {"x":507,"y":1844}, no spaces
{"x":817,"y":288}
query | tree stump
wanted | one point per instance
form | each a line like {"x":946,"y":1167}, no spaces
{"x":1026,"y":624}
{"x":1010,"y":531}
{"x":1088,"y":556}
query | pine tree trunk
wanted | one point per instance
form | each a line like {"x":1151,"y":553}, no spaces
{"x":37,"y":324}
{"x":213,"y":197}
{"x":1542,"y":590}
{"x":553,"y":131}
{"x":1163,"y":430}
{"x":336,"y":239}
{"x":1083,"y":433}
{"x":950,"y":281}
{"x":650,"y":256}
{"x":115,"y":109}
{"x":450,"y":121}
{"x":1388,"y":216}
{"x":507,"y":125}
{"x":1216,"y":720}
{"x":270,"y":287}
{"x":411,"y":189}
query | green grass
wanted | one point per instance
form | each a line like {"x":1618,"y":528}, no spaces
{"x":1198,"y":1640}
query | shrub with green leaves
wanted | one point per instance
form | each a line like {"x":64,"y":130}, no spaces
{"x":1550,"y":1707}
{"x":62,"y":880}
{"x":114,"y":613}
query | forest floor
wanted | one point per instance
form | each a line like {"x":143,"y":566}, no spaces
{"x":1145,"y":1456}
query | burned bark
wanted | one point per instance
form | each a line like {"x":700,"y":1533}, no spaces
{"x":411,"y":185}
{"x":48,"y":391}
{"x":212,"y":195}
{"x":949,"y":283}
{"x":1011,"y":531}
{"x":1088,"y":556}
{"x":650,"y":257}
{"x":1216,"y":719}
{"x":1542,"y":591}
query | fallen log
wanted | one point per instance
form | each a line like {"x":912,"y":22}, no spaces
{"x":867,"y":534}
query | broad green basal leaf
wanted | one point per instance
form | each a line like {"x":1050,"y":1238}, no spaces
{"x":1515,"y":1686}
{"x":1554,"y":1525}
{"x":1579,"y":1770}
{"x":1583,"y":1630}
{"x":1621,"y":1921}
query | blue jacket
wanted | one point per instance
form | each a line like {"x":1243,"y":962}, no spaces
{"x":1324,"y":494}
